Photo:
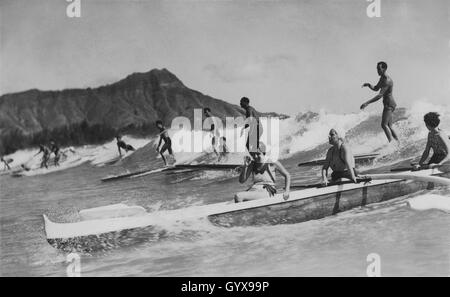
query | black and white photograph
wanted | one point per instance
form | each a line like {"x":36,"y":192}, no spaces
{"x":220,"y":144}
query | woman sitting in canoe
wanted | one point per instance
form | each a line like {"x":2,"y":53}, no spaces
{"x":340,"y":159}
{"x":437,"y":140}
{"x":263,"y":174}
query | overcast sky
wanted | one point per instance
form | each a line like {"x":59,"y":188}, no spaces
{"x":286,"y":56}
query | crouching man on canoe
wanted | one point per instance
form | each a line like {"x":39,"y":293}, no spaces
{"x":6,"y":163}
{"x":263,"y":174}
{"x":122,"y":145}
{"x":437,"y":141}
{"x":340,"y":159}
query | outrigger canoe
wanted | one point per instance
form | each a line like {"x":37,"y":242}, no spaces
{"x":303,"y":205}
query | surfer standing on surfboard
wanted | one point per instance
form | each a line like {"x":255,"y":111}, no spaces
{"x":122,"y":145}
{"x":438,"y":141}
{"x":214,"y":130}
{"x":340,"y":159}
{"x":45,"y":155}
{"x":263,"y":174}
{"x":254,"y":126}
{"x":164,"y":135}
{"x":385,"y":85}
{"x":218,"y":143}
{"x":55,"y":150}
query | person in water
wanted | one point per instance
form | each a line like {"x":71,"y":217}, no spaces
{"x":56,"y":151}
{"x":167,"y":146}
{"x":45,"y":155}
{"x":214,"y":130}
{"x":385,"y":85}
{"x":340,"y":159}
{"x":263,"y":174}
{"x":6,"y":163}
{"x":438,"y":141}
{"x":122,"y":145}
{"x":253,"y":124}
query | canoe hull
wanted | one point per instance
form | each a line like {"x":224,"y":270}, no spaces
{"x":318,"y":207}
{"x":303,"y":205}
{"x":108,"y":241}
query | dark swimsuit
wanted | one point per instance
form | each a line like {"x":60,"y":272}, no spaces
{"x":125,"y":146}
{"x":335,"y":175}
{"x":268,"y":187}
{"x":167,"y":146}
{"x":254,"y":133}
{"x":388,"y":99}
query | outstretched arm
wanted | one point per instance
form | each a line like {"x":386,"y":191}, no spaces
{"x":373,"y":88}
{"x":246,"y":170}
{"x":376,"y":98}
{"x":287,"y":178}
{"x":348,"y":156}
{"x":40,"y":150}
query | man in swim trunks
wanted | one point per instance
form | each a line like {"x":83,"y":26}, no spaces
{"x":385,"y":85}
{"x":164,"y":135}
{"x":262,"y":171}
{"x":45,"y":155}
{"x":6,"y":163}
{"x":253,"y":124}
{"x":438,"y":141}
{"x":55,"y":150}
{"x":340,"y":159}
{"x":122,"y":145}
{"x":214,"y":130}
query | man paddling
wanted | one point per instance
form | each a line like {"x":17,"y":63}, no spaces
{"x":437,"y":141}
{"x":122,"y":145}
{"x":340,"y":159}
{"x":385,"y":85}
{"x":262,"y":171}
{"x":167,"y":146}
{"x":253,"y":124}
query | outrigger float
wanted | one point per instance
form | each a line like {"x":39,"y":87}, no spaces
{"x":179,"y":168}
{"x":184,"y":168}
{"x":311,"y":203}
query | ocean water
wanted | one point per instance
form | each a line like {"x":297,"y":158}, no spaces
{"x":408,"y":242}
